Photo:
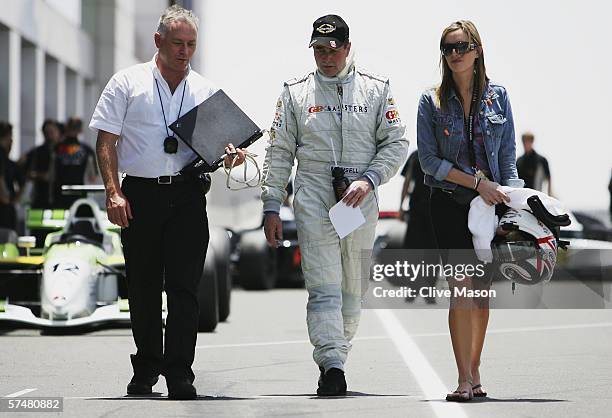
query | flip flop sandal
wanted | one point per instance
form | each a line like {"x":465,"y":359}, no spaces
{"x":478,"y":395}
{"x":456,"y":396}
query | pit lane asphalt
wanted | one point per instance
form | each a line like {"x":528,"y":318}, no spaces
{"x":545,"y":363}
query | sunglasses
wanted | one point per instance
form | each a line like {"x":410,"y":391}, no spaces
{"x":459,"y":47}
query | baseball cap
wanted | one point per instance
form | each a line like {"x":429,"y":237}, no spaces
{"x":329,"y":30}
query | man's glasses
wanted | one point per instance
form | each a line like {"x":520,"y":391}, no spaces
{"x":459,"y":47}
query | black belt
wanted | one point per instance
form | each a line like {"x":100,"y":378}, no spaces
{"x":163,"y":180}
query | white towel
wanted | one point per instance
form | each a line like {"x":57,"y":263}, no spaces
{"x":483,"y":222}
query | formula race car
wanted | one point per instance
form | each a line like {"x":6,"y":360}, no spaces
{"x":78,"y":276}
{"x":260,"y":267}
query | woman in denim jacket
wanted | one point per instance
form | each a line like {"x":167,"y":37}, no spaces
{"x":461,"y":160}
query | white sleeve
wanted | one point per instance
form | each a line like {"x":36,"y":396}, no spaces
{"x":111,"y":108}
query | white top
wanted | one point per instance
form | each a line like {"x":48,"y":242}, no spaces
{"x":483,"y":222}
{"x":129,"y":107}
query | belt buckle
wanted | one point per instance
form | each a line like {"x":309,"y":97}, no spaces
{"x":164,"y":180}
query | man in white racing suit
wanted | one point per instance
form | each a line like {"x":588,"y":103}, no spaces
{"x":336,"y":116}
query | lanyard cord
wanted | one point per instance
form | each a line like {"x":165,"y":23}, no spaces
{"x":331,"y":141}
{"x":469,"y":126}
{"x":340,"y":91}
{"x":162,"y":104}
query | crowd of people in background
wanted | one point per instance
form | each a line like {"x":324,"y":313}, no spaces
{"x":37,"y":177}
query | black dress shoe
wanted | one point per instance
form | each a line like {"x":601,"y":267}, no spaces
{"x":141,"y":386}
{"x":321,"y":374}
{"x":181,"y":389}
{"x":332,"y":383}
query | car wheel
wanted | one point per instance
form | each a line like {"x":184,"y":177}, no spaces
{"x":396,"y":234}
{"x":257,"y":264}
{"x":208,"y":297}
{"x":220,"y":243}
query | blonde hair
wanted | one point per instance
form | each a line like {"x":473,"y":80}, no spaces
{"x":447,"y":84}
{"x":176,"y":13}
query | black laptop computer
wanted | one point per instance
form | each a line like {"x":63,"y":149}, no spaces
{"x":210,"y":126}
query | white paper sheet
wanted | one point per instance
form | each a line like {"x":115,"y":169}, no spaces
{"x":345,"y":219}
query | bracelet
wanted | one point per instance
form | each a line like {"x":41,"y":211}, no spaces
{"x":475,"y":182}
{"x":478,"y":183}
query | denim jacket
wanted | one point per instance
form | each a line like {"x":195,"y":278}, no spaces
{"x":440,"y":134}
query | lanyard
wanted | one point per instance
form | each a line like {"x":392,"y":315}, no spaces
{"x":469,"y":127}
{"x":162,"y":104}
{"x":340,"y":102}
{"x":339,"y":90}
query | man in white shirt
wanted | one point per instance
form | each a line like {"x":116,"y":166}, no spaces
{"x":157,"y":208}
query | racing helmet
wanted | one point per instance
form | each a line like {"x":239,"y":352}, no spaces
{"x":526,"y":250}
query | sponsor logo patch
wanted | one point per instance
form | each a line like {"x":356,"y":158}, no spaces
{"x":392,"y":114}
{"x":355,"y":108}
{"x":278,"y":120}
{"x":350,"y":170}
{"x":326,"y":28}
{"x":392,"y":117}
{"x":315,"y":109}
{"x":349,"y":108}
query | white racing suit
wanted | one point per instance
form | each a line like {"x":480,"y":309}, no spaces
{"x":357,"y":114}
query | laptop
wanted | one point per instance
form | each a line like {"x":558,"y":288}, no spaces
{"x":210,"y":126}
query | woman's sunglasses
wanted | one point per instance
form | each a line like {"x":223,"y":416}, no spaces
{"x":459,"y":47}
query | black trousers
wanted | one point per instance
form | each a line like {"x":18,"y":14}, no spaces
{"x":419,"y":231}
{"x":8,"y":216}
{"x":165,"y":248}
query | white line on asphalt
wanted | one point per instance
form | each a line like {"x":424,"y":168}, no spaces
{"x":419,"y":366}
{"x":21,"y":392}
{"x":267,"y":343}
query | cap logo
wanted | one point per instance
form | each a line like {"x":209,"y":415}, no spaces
{"x":326,"y":28}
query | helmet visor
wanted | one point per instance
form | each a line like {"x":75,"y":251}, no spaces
{"x":507,"y":251}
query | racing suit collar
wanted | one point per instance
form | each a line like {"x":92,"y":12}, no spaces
{"x":343,"y":76}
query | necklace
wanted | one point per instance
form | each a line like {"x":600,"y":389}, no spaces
{"x":170,"y":143}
